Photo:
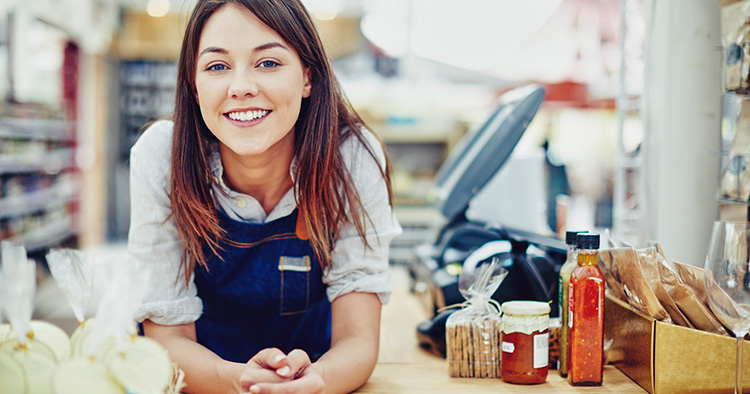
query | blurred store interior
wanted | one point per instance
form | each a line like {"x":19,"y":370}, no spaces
{"x":627,"y":139}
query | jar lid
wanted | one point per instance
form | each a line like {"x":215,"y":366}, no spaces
{"x":526,"y":308}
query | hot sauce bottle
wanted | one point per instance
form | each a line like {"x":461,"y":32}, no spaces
{"x":563,"y":286}
{"x":586,"y":316}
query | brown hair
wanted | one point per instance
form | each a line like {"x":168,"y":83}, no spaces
{"x":325,"y":189}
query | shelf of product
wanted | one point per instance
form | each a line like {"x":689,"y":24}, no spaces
{"x":39,"y":186}
{"x":26,"y":194}
{"x":734,"y":187}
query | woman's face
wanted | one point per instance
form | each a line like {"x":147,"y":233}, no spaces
{"x":249,"y":84}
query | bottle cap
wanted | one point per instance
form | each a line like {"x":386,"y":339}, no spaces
{"x":587,"y":241}
{"x":570,"y":237}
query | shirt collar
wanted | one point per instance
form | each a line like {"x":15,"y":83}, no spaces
{"x":217,"y":169}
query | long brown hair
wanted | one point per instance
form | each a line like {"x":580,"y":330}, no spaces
{"x":326,"y":196}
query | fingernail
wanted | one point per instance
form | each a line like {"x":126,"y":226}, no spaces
{"x":283,"y":371}
{"x":279,"y":357}
{"x":255,"y":389}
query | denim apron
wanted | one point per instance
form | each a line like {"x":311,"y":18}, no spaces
{"x":266,"y":292}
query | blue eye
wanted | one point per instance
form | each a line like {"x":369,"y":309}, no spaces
{"x":268,"y":64}
{"x":217,"y":67}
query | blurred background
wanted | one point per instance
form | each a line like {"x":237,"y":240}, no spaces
{"x":627,"y":138}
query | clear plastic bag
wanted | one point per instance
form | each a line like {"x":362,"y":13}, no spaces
{"x":473,"y":334}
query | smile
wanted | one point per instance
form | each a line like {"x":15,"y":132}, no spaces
{"x":247,"y":115}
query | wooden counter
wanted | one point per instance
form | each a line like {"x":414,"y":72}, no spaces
{"x":403,"y":367}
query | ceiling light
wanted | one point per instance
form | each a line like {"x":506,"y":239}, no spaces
{"x":157,"y":8}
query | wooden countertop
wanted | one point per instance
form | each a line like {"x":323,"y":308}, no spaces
{"x":403,"y":367}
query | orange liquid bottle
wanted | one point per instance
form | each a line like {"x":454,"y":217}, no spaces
{"x":586,"y":316}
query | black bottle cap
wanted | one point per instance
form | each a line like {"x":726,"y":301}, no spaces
{"x":570,"y":237}
{"x":587,"y":241}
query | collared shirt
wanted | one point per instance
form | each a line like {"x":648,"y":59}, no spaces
{"x":154,"y":242}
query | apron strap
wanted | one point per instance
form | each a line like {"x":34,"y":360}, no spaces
{"x":301,"y":229}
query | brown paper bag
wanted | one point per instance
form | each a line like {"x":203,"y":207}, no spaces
{"x":723,"y":307}
{"x":606,"y":263}
{"x":626,"y":269}
{"x":690,"y":305}
{"x":650,"y":259}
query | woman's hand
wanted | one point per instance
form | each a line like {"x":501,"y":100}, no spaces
{"x":271,"y":371}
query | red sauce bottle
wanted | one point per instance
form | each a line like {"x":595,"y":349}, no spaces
{"x":586,"y":316}
{"x":525,"y":345}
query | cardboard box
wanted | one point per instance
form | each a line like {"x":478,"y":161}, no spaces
{"x":665,"y":358}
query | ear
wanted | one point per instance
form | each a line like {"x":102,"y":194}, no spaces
{"x":308,"y":84}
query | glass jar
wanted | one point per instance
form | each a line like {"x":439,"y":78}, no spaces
{"x":525,"y":343}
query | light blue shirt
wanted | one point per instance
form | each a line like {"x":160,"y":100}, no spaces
{"x":153,"y":240}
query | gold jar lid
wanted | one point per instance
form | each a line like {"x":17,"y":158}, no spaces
{"x":525,"y":308}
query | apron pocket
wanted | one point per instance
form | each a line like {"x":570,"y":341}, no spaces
{"x":295,"y":284}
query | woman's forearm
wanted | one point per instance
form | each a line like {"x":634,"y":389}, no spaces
{"x":205,"y":372}
{"x":348,"y":364}
{"x":355,"y":336}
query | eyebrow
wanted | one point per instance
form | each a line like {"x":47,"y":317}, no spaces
{"x":259,"y":48}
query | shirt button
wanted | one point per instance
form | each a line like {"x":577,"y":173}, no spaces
{"x":241,"y":203}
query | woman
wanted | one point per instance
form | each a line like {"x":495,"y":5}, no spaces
{"x":263,"y":211}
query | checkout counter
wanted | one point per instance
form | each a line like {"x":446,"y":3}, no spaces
{"x":404,"y":367}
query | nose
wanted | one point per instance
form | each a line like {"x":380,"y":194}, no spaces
{"x":243,"y":85}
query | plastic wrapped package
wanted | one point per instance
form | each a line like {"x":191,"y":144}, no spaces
{"x":649,"y":259}
{"x":735,"y":34}
{"x":473,"y":334}
{"x":726,"y":311}
{"x":611,"y":276}
{"x":625,"y":268}
{"x":735,"y":179}
{"x":691,"y":306}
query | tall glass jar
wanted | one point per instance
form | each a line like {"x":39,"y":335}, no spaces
{"x":525,"y":342}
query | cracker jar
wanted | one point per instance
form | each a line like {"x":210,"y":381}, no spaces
{"x":525,"y":343}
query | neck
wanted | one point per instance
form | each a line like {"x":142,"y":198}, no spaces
{"x":266,"y":178}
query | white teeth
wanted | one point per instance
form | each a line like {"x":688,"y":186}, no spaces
{"x":247,"y":115}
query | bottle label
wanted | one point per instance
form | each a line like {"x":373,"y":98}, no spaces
{"x":570,"y":305}
{"x":541,"y":350}
{"x":509,"y":347}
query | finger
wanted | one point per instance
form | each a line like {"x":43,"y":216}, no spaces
{"x":308,"y":383}
{"x":272,"y":358}
{"x":297,"y":360}
{"x":255,"y":374}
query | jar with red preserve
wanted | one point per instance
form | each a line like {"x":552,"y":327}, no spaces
{"x":525,"y":342}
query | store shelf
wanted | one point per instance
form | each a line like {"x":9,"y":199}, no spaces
{"x":420,"y":133}
{"x":47,"y":235}
{"x":35,"y":201}
{"x":39,"y":188}
{"x":49,"y":162}
{"x":47,"y":129}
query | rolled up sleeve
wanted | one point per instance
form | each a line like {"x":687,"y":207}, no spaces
{"x":356,"y":267}
{"x":153,"y":241}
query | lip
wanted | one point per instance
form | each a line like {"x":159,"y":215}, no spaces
{"x":250,"y":123}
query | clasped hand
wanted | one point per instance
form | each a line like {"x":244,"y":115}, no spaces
{"x":272,"y":371}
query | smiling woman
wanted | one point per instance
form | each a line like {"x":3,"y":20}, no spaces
{"x":263,"y":210}
{"x":251,"y":86}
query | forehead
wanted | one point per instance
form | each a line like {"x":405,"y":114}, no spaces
{"x":233,"y":25}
